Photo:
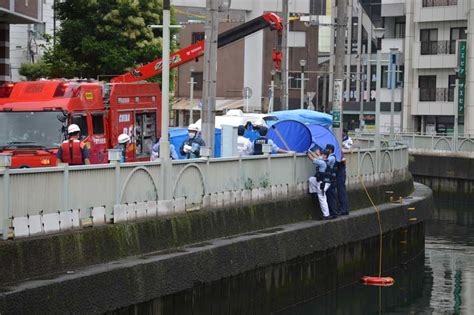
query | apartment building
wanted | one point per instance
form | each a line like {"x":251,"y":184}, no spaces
{"x":248,"y":63}
{"x":26,"y":40}
{"x":15,"y":12}
{"x":432,"y":30}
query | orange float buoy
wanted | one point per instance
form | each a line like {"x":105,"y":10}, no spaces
{"x":377,"y":281}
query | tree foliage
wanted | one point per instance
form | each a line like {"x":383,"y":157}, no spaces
{"x":103,"y":37}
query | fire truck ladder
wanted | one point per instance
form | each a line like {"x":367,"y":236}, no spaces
{"x":196,"y":50}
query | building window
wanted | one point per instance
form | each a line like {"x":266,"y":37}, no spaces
{"x":98,"y":123}
{"x":294,"y":80}
{"x":456,"y":34}
{"x":451,"y":87}
{"x":429,"y":41}
{"x":399,"y":28}
{"x":198,"y":79}
{"x":317,"y":7}
{"x":427,"y":86}
{"x":197,"y":37}
{"x":438,"y":3}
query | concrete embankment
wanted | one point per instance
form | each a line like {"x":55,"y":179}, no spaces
{"x":446,"y":173}
{"x":115,"y":266}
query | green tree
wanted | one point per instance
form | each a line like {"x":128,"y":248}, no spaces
{"x":104,"y":37}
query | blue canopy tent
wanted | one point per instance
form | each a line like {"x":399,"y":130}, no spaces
{"x":305,"y":116}
{"x":322,"y":136}
{"x":178,"y":135}
{"x":290,"y":135}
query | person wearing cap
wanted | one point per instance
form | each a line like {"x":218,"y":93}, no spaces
{"x":347,"y":142}
{"x":73,"y":151}
{"x":320,"y":182}
{"x":244,"y":145}
{"x":122,"y":145}
{"x":155,"y":151}
{"x":263,"y":139}
{"x":191,"y":147}
{"x":331,"y":169}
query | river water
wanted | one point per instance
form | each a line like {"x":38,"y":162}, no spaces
{"x":440,"y":282}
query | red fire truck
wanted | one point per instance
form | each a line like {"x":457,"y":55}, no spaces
{"x":34,"y":115}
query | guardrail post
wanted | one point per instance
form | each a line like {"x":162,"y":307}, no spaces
{"x":66,"y":187}
{"x":5,"y":163}
{"x":115,"y":155}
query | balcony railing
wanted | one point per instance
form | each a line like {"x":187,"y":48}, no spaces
{"x":437,"y":95}
{"x":438,"y":3}
{"x":440,"y":47}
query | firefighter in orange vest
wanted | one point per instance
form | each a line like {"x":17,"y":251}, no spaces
{"x":73,"y":151}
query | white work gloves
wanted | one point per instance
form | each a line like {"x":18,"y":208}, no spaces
{"x":187,"y":148}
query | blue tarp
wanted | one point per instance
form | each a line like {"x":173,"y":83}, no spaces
{"x":322,"y":136}
{"x":305,"y":116}
{"x":290,"y":135}
{"x":178,"y":135}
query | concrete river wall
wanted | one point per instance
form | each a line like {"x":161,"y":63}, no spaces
{"x":448,"y":174}
{"x":251,"y":258}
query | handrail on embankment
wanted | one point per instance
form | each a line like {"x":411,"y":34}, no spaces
{"x":47,"y":200}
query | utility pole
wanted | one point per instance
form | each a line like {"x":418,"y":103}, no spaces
{"x":165,"y":111}
{"x":191,"y":96}
{"x":393,"y":72}
{"x":337,"y":110}
{"x":272,"y":92}
{"x":284,"y":56}
{"x":210,"y":75}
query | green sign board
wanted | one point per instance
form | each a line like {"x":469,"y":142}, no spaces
{"x":462,"y":59}
{"x":336,"y":119}
{"x":461,"y":75}
{"x":461,"y":90}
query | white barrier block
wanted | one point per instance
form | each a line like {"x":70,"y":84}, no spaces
{"x":214,"y":200}
{"x":275,"y":191}
{"x":76,"y":222}
{"x":120,"y":213}
{"x":35,"y":225}
{"x":305,"y":187}
{"x":246,"y":196}
{"x":206,"y":201}
{"x":236,"y":195}
{"x":131,"y":212}
{"x":228,"y":200}
{"x":20,"y":227}
{"x":255,"y":194}
{"x":141,"y":210}
{"x":283,"y":191}
{"x":98,"y":215}
{"x":65,"y":220}
{"x":151,"y":209}
{"x":51,"y":222}
{"x":165,"y":207}
{"x":220,"y":199}
{"x":262,"y":193}
{"x":180,"y":205}
{"x":267,"y":193}
{"x":300,"y":189}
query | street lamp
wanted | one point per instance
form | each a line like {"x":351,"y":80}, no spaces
{"x":191,"y":95}
{"x":302,"y":64}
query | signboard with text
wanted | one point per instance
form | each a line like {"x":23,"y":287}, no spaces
{"x":337,"y":104}
{"x":461,"y":75}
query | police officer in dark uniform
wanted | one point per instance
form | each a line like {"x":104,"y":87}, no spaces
{"x":331,"y":192}
{"x":260,"y":141}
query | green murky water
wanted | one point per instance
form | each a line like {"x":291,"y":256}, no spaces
{"x":441,"y":282}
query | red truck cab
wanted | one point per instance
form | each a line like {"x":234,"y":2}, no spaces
{"x":34,"y":117}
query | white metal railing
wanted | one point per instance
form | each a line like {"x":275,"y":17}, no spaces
{"x":44,"y":200}
{"x":416,"y":141}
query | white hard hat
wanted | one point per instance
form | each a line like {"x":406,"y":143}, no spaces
{"x":73,"y":129}
{"x":259,"y":122}
{"x":123,"y":138}
{"x":193,"y":127}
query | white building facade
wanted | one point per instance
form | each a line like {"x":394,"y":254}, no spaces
{"x":433,"y":29}
{"x":26,"y":39}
